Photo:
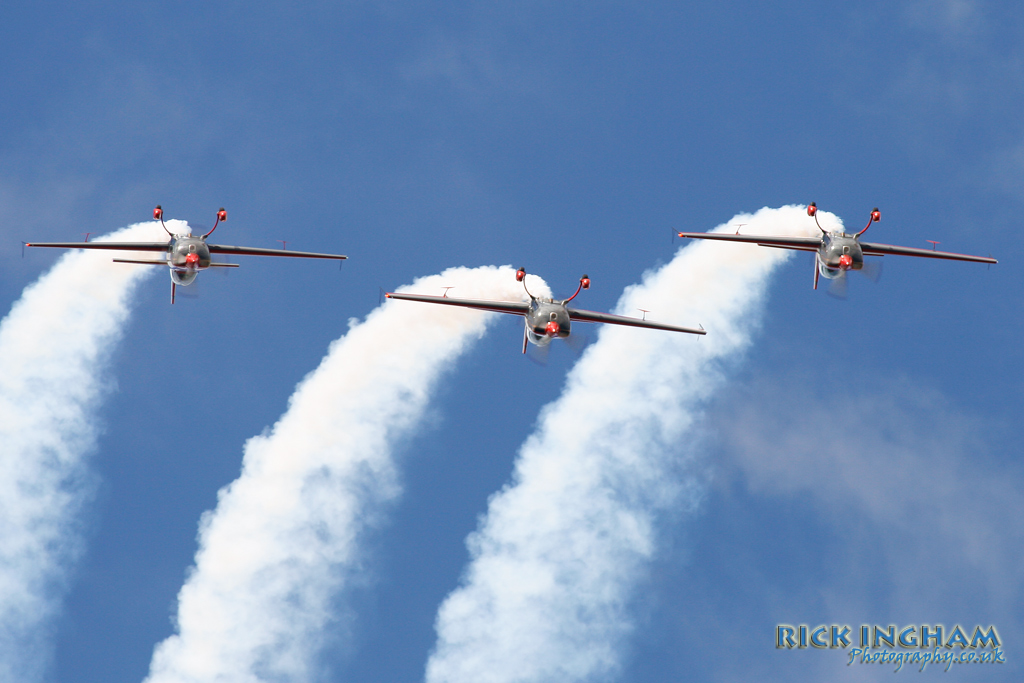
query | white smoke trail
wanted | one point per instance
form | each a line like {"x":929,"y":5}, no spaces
{"x":563,"y":546}
{"x":54,"y":345}
{"x":285,"y":537}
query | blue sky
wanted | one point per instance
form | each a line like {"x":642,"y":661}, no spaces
{"x":861,"y":463}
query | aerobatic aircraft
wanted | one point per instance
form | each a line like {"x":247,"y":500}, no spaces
{"x":836,"y":252}
{"x":185,"y":254}
{"x":545,"y":318}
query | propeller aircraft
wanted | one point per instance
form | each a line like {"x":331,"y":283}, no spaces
{"x":836,"y":252}
{"x":184,"y":254}
{"x":545,"y":318}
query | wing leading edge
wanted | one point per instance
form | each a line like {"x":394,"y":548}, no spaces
{"x":165,"y":246}
{"x":514,"y":307}
{"x":800,"y":243}
{"x":256,"y":251}
{"x":883,"y":249}
{"x":594,"y":317}
{"x":125,"y":246}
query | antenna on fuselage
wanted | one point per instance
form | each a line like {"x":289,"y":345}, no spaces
{"x":222,"y":215}
{"x":812,"y":210}
{"x":875,"y":216}
{"x":158,"y":215}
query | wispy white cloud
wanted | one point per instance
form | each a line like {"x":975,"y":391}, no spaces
{"x":285,"y":538}
{"x":952,"y":20}
{"x":54,"y":348}
{"x":903,"y":472}
{"x":868,"y":501}
{"x":556,"y":561}
{"x":496,"y":51}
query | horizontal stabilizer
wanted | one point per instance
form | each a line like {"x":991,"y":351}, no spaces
{"x":145,"y":263}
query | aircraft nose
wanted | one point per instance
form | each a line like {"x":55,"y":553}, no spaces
{"x":845,"y":261}
{"x":552,"y":329}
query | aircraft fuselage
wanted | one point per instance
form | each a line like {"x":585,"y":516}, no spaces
{"x":187,"y":255}
{"x":839,"y":253}
{"x":539,"y":319}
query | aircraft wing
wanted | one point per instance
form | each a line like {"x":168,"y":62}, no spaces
{"x":256,"y":251}
{"x":883,"y":249}
{"x":593,"y":317}
{"x":126,"y":246}
{"x":801,"y":243}
{"x":516,"y":307}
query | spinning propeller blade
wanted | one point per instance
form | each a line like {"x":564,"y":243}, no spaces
{"x":872,"y":270}
{"x":837,"y":288}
